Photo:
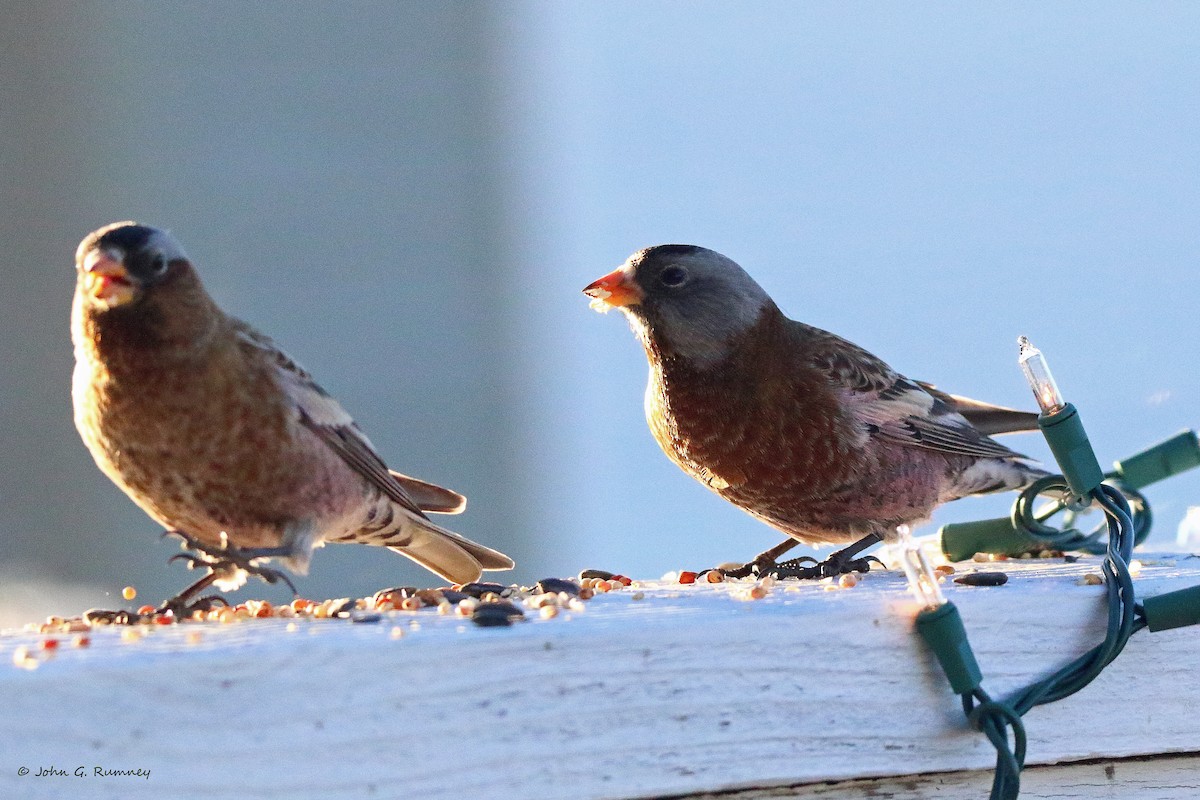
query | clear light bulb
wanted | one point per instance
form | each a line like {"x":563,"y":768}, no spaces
{"x":922,"y":580}
{"x":1037,"y":372}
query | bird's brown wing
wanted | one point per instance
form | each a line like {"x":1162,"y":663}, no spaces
{"x":324,"y":416}
{"x":891,"y":407}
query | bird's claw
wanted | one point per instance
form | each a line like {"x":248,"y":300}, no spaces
{"x":226,"y":559}
{"x":181,"y":608}
{"x":758,"y":567}
{"x":193,"y":560}
{"x":829,"y":568}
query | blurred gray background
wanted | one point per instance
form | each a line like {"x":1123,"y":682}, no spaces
{"x":409,"y":197}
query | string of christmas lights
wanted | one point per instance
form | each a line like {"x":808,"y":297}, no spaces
{"x":1082,"y":484}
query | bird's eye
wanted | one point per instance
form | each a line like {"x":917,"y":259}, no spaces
{"x":673,"y":276}
{"x":158,"y":264}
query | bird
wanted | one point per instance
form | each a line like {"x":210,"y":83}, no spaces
{"x":795,"y":425}
{"x":224,"y":439}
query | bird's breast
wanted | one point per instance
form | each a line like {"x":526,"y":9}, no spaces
{"x":760,"y":445}
{"x":206,"y":446}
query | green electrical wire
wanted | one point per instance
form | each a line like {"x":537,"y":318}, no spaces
{"x":1000,"y":720}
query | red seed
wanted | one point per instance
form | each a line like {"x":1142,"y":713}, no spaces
{"x":687,"y":577}
{"x":146,"y":610}
{"x":50,"y":644}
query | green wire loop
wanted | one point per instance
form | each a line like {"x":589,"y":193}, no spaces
{"x":1033,"y":521}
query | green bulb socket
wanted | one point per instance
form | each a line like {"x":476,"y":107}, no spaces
{"x":1173,"y":609}
{"x":942,"y":629}
{"x":961,"y":540}
{"x":1069,"y":442}
{"x":1178,"y":454}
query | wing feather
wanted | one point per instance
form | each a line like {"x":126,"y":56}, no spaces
{"x":324,"y":416}
{"x":893,"y":408}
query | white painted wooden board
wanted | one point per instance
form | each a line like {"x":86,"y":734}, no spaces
{"x":684,"y":692}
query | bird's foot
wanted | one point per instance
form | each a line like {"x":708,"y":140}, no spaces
{"x":181,"y":608}
{"x":758,"y":567}
{"x":761,"y":564}
{"x":829,"y":568}
{"x":223,"y":562}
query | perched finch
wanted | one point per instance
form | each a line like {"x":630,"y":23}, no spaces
{"x":800,"y":428}
{"x":219,"y":436}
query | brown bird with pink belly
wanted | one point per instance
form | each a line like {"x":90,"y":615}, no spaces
{"x":800,"y":428}
{"x":222,"y":438}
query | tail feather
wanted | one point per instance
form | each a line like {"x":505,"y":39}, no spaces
{"x":454,"y":557}
{"x":988,"y":419}
{"x":429,"y":496}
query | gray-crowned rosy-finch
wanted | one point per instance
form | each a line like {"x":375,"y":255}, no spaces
{"x":802,"y":429}
{"x":218,"y":435}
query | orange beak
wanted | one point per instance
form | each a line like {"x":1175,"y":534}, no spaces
{"x":614,"y":290}
{"x":106,"y":279}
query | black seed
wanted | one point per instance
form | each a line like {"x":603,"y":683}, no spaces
{"x":481,"y":588}
{"x":597,"y":573}
{"x":365,"y":616}
{"x":1070,"y":559}
{"x":982,"y":579}
{"x":556,"y":585}
{"x":453,"y":596}
{"x":496,"y":614}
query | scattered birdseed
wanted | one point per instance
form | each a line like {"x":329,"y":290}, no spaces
{"x":496,"y":614}
{"x":639,"y":595}
{"x":549,"y":612}
{"x":982,"y":579}
{"x":714,"y":576}
{"x":981,"y":558}
{"x":24,"y":659}
{"x":944,"y":569}
{"x":596,"y":573}
{"x":848,"y":581}
{"x":687,"y":577}
{"x":1091,"y":579}
{"x":396,"y":633}
{"x":557,"y":585}
{"x":129,"y":593}
{"x":479,"y":589}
